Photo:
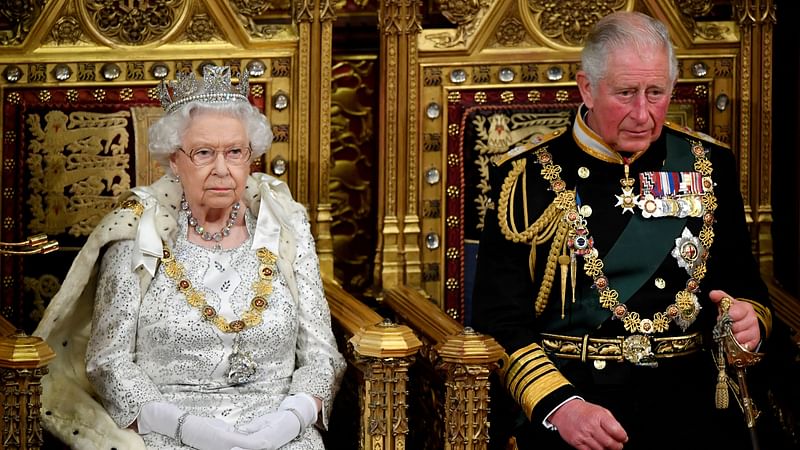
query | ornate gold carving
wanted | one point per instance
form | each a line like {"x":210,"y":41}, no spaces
{"x":280,"y":133}
{"x":135,"y":22}
{"x":511,"y":32}
{"x":19,"y":17}
{"x":37,"y":72}
{"x":711,"y":31}
{"x":467,"y":359}
{"x":84,"y":154}
{"x":281,"y":67}
{"x":67,"y":30}
{"x":86,"y":72}
{"x":432,"y":76}
{"x":432,"y":142}
{"x":201,"y":28}
{"x":303,"y":11}
{"x":466,"y":15}
{"x":22,"y":400}
{"x":481,"y":74}
{"x":432,"y":209}
{"x":430,"y":272}
{"x":23,"y":361}
{"x":387,"y":420}
{"x":251,"y":12}
{"x":41,"y":289}
{"x":352,"y":139}
{"x":566,"y":22}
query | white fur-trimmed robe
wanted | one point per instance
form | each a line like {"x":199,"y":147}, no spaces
{"x":70,"y":410}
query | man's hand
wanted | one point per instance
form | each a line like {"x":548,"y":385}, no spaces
{"x":585,"y":425}
{"x":745,"y":321}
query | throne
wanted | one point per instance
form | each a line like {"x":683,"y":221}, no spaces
{"x":499,"y":74}
{"x":74,"y":130}
{"x":457,"y":83}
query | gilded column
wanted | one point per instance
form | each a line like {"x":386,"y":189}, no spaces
{"x":411,"y":221}
{"x":304,"y":17}
{"x":321,"y":139}
{"x":315,"y":26}
{"x":756,"y":21}
{"x":388,"y":256}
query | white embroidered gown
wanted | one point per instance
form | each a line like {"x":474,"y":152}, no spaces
{"x":161,"y":349}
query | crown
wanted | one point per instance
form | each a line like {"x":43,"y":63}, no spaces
{"x":215,"y":87}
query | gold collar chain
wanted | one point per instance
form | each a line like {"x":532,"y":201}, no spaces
{"x":686,"y":307}
{"x":262,"y":287}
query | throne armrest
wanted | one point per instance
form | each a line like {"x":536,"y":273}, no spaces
{"x":381,"y":352}
{"x":463,"y":356}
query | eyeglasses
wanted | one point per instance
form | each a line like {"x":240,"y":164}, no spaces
{"x":203,"y":156}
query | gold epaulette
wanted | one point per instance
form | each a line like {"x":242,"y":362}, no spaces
{"x":695,"y":134}
{"x":530,"y":376}
{"x":522,"y":148}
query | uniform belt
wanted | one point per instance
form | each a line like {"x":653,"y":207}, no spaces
{"x":638,"y":349}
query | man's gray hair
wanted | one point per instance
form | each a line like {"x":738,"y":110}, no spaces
{"x":632,"y":31}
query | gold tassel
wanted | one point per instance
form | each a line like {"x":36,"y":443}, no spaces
{"x":573,"y":272}
{"x":563,"y":261}
{"x":722,"y":379}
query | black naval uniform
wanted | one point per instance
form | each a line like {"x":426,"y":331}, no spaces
{"x":671,"y":406}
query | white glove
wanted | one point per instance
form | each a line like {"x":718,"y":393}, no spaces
{"x":202,"y":433}
{"x":304,"y":406}
{"x":273,"y":430}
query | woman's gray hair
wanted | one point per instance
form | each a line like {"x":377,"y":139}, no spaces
{"x":165,"y":135}
{"x":631,"y":31}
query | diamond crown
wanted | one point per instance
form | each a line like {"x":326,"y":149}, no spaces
{"x":215,"y":87}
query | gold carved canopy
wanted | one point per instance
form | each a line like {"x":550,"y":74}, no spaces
{"x":77,"y":86}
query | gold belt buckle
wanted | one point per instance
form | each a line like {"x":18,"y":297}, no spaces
{"x":636,"y":349}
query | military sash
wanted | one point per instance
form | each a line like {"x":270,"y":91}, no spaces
{"x":643,"y":244}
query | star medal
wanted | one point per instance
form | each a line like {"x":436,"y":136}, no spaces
{"x":688,"y":250}
{"x":627,"y":200}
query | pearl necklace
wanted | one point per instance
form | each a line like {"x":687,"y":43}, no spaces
{"x":202,"y":232}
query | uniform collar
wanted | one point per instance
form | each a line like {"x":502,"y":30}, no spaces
{"x":592,"y":144}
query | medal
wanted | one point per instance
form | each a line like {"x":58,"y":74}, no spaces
{"x":627,"y":200}
{"x":242,"y":366}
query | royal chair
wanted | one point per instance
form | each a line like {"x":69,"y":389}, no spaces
{"x":494,"y":75}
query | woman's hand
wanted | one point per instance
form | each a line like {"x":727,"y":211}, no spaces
{"x":202,"y":433}
{"x":745,"y":321}
{"x":585,"y":425}
{"x":271,"y":431}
